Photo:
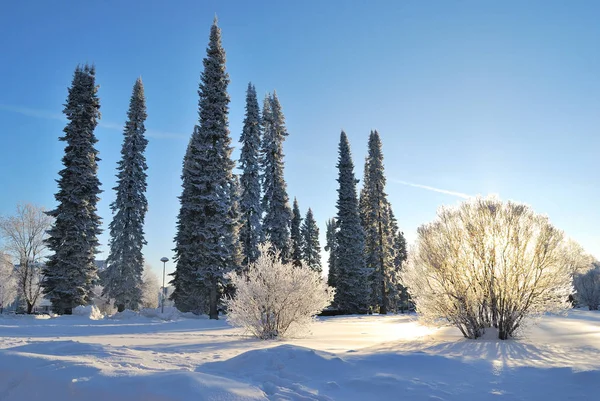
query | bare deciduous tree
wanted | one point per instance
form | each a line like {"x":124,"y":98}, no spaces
{"x":24,"y":236}
{"x":8,"y":283}
{"x":488,"y":263}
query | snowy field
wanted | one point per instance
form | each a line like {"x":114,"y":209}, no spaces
{"x":345,"y":358}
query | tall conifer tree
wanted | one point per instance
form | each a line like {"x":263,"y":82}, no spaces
{"x":250,"y":202}
{"x":207,"y":241}
{"x":376,"y":221}
{"x":71,"y":272}
{"x":311,"y":249}
{"x":125,"y":263}
{"x":352,"y":292}
{"x":331,"y":248}
{"x":276,"y":206}
{"x":296,"y":235}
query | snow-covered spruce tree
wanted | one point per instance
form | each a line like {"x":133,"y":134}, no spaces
{"x":488,"y":263}
{"x":395,"y":245}
{"x":188,"y":294}
{"x":311,"y":249}
{"x":330,"y":248}
{"x":125,"y":263}
{"x":350,"y":276}
{"x":375,"y":218}
{"x":296,"y":235}
{"x":207,"y":241}
{"x":250,"y":207}
{"x":275,"y":299}
{"x":275,"y":203}
{"x":70,"y":273}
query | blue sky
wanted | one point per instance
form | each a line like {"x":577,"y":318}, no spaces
{"x":469,"y":97}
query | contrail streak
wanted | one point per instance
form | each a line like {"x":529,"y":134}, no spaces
{"x":427,"y":187}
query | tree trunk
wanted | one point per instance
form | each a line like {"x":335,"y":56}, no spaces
{"x":120,"y":307}
{"x":29,"y":308}
{"x":214,"y":299}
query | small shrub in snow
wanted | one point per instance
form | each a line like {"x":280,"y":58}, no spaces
{"x":486,"y":264}
{"x":89,"y":311}
{"x":588,"y":288}
{"x":276,"y":299}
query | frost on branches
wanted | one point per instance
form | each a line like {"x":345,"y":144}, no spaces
{"x":588,"y":288}
{"x":488,"y":263}
{"x":276,"y":299}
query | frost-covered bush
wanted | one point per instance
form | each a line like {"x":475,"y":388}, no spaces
{"x":89,"y":311}
{"x":587,"y":286}
{"x":488,"y":263}
{"x":103,"y":302}
{"x":276,"y":299}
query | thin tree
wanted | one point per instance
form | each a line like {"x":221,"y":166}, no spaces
{"x":296,"y":235}
{"x":24,"y":234}
{"x":71,"y":273}
{"x":350,"y":279}
{"x":8,"y":282}
{"x":207,"y":241}
{"x":125,"y":262}
{"x":330,"y":247}
{"x":311,"y":249}
{"x":250,"y":202}
{"x":275,"y":203}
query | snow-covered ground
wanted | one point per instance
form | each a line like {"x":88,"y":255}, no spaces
{"x":345,"y":358}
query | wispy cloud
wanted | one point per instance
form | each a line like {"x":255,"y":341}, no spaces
{"x":32,"y":112}
{"x":427,"y":187}
{"x":152,"y":133}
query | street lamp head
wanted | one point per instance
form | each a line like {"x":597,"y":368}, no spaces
{"x":164,"y":259}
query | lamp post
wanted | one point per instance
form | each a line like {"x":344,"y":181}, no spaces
{"x":162,"y":307}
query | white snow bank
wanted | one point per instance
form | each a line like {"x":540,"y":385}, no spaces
{"x":24,"y":376}
{"x":347,"y":358}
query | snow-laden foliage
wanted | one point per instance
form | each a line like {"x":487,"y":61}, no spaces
{"x":103,"y":302}
{"x":276,"y":299}
{"x":150,"y":289}
{"x":207,"y":239}
{"x":311,"y":249}
{"x":24,"y":236}
{"x":330,"y":248}
{"x":296,"y":235}
{"x":89,"y":311}
{"x":379,"y":233}
{"x":587,"y":286}
{"x":350,"y":273}
{"x":125,"y":263}
{"x":70,"y":273}
{"x":275,"y":202}
{"x":488,"y":263}
{"x":250,"y":202}
{"x":8,"y":282}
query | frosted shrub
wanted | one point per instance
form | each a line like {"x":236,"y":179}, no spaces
{"x":488,"y":263}
{"x":588,"y":288}
{"x":275,"y":299}
{"x":89,"y":311}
